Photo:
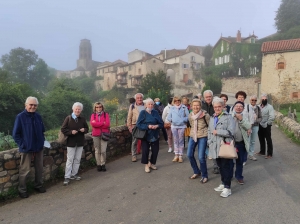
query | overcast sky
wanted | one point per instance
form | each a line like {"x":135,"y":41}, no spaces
{"x":54,"y":28}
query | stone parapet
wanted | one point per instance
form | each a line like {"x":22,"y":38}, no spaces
{"x":55,"y":157}
{"x":288,"y":123}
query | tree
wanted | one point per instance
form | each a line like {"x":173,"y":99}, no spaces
{"x":213,"y":83}
{"x":155,"y":83}
{"x":207,"y":53}
{"x":24,"y":66}
{"x":288,"y":15}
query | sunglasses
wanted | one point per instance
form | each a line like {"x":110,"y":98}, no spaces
{"x":33,"y":105}
{"x":177,"y":101}
{"x":99,"y":107}
{"x":254,"y":100}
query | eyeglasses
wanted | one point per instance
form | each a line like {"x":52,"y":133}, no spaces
{"x":33,"y":105}
{"x":99,"y":107}
{"x":177,"y":101}
{"x":254,"y":100}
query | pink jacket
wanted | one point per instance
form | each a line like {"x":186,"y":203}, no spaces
{"x":100,"y":125}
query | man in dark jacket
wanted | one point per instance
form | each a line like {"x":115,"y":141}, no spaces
{"x":28,"y":133}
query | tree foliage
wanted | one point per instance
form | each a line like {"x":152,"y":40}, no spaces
{"x":24,"y":66}
{"x":207,"y":53}
{"x":288,"y":15}
{"x":156,"y":82}
{"x":213,"y":83}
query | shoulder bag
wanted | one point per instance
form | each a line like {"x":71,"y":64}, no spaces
{"x":139,"y":133}
{"x":62,"y":139}
{"x":228,"y":150}
{"x":105,"y":136}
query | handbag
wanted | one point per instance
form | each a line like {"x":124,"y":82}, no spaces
{"x":187,"y":132}
{"x":62,"y":139}
{"x":138,"y":133}
{"x":105,"y":136}
{"x":227,"y":149}
{"x":167,"y":125}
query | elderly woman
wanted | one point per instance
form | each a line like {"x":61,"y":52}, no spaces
{"x":100,"y":122}
{"x":241,"y":127}
{"x":199,"y":120}
{"x":255,"y":117}
{"x":74,"y":127}
{"x":178,"y":117}
{"x":220,"y":127}
{"x":150,"y":120}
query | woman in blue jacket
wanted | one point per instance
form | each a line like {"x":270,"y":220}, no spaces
{"x":178,"y":117}
{"x":150,"y":120}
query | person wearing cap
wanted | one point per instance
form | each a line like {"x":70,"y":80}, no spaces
{"x":241,"y":127}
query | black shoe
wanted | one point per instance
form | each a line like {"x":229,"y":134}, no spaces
{"x":99,"y":168}
{"x":23,"y":195}
{"x":216,"y":170}
{"x":40,"y":189}
{"x":103,"y":168}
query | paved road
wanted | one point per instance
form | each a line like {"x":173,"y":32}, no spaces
{"x":126,"y":194}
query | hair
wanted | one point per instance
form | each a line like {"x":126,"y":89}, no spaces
{"x":77,"y":104}
{"x":185,"y":98}
{"x":170,"y":100}
{"x":199,"y":95}
{"x":242,"y":93}
{"x":138,"y":94}
{"x":208,"y":91}
{"x":131,"y":100}
{"x":97,"y":104}
{"x":148,"y":100}
{"x":156,"y":100}
{"x":31,"y":98}
{"x":224,"y":95}
{"x":175,"y":98}
{"x":264,"y":95}
{"x":196,"y":100}
{"x":253,"y":97}
{"x":217,"y":100}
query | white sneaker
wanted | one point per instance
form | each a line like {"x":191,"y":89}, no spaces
{"x":170,"y":150}
{"x":220,"y":188}
{"x":244,"y":163}
{"x":225,"y":193}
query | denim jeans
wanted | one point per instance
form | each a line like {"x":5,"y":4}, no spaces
{"x":239,"y":161}
{"x":252,"y":140}
{"x":201,"y":142}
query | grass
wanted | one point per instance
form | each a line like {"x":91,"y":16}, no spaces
{"x":284,"y":109}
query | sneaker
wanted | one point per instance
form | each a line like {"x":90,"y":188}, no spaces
{"x":170,"y":150}
{"x":220,"y":188}
{"x":252,"y":158}
{"x":225,"y":193}
{"x":75,"y":177}
{"x":175,"y":159}
{"x":241,"y":182}
{"x":103,"y":168}
{"x":40,"y":189}
{"x":66,"y":181}
{"x":216,"y":170}
{"x":133,"y":159}
{"x":244,"y":163}
{"x":180,"y":159}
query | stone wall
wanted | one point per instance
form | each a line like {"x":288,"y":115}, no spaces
{"x":55,"y":158}
{"x":234,"y":84}
{"x":288,"y":123}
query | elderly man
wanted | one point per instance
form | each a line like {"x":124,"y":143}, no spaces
{"x":208,"y":107}
{"x":28,"y":133}
{"x":264,"y":132}
{"x":133,"y":115}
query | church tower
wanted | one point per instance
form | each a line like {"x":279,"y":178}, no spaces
{"x":85,"y":55}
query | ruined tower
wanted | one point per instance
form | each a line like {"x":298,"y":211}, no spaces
{"x":85,"y":55}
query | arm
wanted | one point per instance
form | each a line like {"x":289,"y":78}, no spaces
{"x":85,"y":126}
{"x":245,"y":124}
{"x":186,"y":111}
{"x":65,"y":126}
{"x":129,"y":117}
{"x":230,"y":128}
{"x":271,"y":117}
{"x":160,"y":122}
{"x":169,"y":117}
{"x":259,"y":117}
{"x":94,"y":122}
{"x":141,"y":119}
{"x":17,"y":132}
{"x":107,"y":121}
{"x":165,"y":113}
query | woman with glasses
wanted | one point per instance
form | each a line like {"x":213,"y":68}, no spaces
{"x":74,"y":127}
{"x":178,"y":117}
{"x":100,"y":123}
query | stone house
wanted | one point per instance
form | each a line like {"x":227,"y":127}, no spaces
{"x":281,"y":70}
{"x":237,"y":55}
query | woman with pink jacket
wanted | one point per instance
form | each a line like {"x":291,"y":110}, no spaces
{"x":100,"y":123}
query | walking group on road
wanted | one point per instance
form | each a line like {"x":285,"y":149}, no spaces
{"x":205,"y":123}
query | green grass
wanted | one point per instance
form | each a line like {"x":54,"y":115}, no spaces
{"x":284,"y":109}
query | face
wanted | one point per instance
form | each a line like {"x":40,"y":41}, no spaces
{"x":241,"y":98}
{"x":238,"y":108}
{"x":139,"y":99}
{"x":177,"y":102}
{"x":149,"y":105}
{"x":263,"y":98}
{"x":218,"y":108}
{"x":184,"y":101}
{"x":196,"y":107}
{"x":31,"y":105}
{"x":208,"y":98}
{"x":253,"y":101}
{"x":77,"y":110}
{"x":98,"y":108}
{"x":225,"y":100}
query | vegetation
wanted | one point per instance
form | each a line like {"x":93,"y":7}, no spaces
{"x":288,"y":15}
{"x":213,"y":83}
{"x":284,"y":109}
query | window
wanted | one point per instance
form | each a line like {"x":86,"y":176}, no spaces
{"x":216,"y":61}
{"x":185,"y":65}
{"x":140,"y":71}
{"x":192,"y":58}
{"x":220,"y":60}
{"x":252,"y":40}
{"x":280,"y":65}
{"x":222,"y":48}
{"x":294,"y":95}
{"x":154,"y":61}
{"x":129,"y":67}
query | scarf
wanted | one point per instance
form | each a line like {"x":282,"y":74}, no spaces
{"x":99,"y":114}
{"x":216,"y":119}
{"x":194,"y":117}
{"x":178,"y":107}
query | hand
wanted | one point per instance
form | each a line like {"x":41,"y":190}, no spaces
{"x":239,"y":116}
{"x":81,"y":129}
{"x":74,"y":132}
{"x":249,"y":132}
{"x":130,"y":128}
{"x":93,"y":121}
{"x":215,"y":132}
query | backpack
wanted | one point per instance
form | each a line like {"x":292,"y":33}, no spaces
{"x":256,"y":106}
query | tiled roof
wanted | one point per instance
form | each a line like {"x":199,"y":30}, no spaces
{"x":281,"y":46}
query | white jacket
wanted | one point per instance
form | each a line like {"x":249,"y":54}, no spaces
{"x":166,"y":112}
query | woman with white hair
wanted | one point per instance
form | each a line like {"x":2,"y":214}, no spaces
{"x":74,"y":127}
{"x":220,"y":127}
{"x":149,"y":120}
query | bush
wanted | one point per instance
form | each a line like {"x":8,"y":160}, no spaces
{"x":213,"y":83}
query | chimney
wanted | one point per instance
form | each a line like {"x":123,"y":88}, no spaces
{"x":239,"y":37}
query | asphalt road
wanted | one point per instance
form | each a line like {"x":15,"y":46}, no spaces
{"x":126,"y":194}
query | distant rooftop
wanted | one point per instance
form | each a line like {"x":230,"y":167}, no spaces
{"x":281,"y":46}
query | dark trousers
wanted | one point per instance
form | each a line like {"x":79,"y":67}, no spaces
{"x":240,"y":160}
{"x":225,"y":168}
{"x":145,"y":151}
{"x":165,"y":134}
{"x":263,"y":135}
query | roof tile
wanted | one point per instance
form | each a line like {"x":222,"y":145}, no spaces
{"x":281,"y":46}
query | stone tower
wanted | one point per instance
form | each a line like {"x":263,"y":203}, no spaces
{"x":85,"y":55}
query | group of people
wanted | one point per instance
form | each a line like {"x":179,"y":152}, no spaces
{"x":209,"y":121}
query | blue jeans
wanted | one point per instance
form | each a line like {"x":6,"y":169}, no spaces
{"x":201,"y":142}
{"x":252,"y":140}
{"x":239,"y":161}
